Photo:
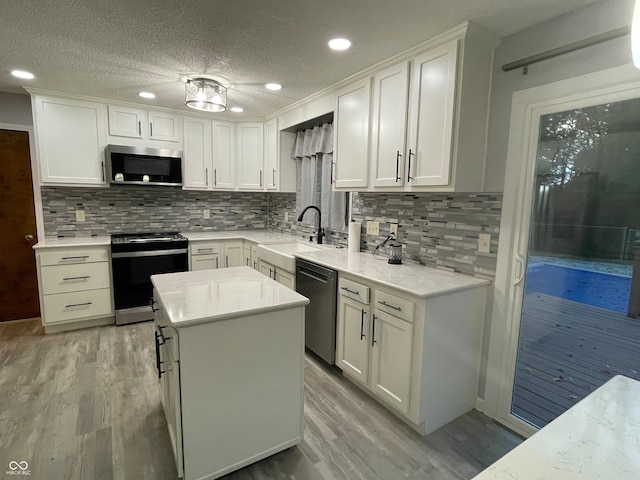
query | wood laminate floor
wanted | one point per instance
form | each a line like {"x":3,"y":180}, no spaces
{"x":86,"y":405}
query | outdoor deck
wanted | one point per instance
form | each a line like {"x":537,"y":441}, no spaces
{"x":567,"y":350}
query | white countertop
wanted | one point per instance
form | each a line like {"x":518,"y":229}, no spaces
{"x":52,"y":242}
{"x":414,"y":279}
{"x":204,"y":296}
{"x":598,"y":438}
{"x":257,"y":236}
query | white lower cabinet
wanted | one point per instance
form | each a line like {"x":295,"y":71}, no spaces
{"x":207,"y":255}
{"x":75,"y":287}
{"x":288,"y":279}
{"x":419,"y":356}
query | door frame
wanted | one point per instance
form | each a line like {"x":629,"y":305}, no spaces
{"x":35,"y":173}
{"x":527,"y":107}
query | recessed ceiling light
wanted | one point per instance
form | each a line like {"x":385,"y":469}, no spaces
{"x":147,"y":95}
{"x":273,"y":86}
{"x":22,"y":74}
{"x":237,"y":109}
{"x":339,"y":44}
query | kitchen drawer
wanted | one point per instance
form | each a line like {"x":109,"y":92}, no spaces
{"x":354,"y":290}
{"x":205,"y":262}
{"x":76,"y":255}
{"x":396,"y":306}
{"x":72,"y":278}
{"x":205,"y":248}
{"x":62,"y":307}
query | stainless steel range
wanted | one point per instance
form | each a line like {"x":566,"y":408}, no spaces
{"x":134,"y":258}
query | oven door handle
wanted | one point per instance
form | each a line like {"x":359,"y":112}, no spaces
{"x":152,"y":253}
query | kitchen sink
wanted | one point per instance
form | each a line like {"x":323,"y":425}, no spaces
{"x":281,"y":254}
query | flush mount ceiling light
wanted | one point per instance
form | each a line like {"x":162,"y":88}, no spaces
{"x":22,"y":74}
{"x":205,"y":94}
{"x":147,"y":95}
{"x":339,"y":44}
{"x":273,"y":86}
{"x":237,"y":109}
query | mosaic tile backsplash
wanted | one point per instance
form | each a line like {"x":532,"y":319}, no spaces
{"x":148,"y":209}
{"x":439,"y":230}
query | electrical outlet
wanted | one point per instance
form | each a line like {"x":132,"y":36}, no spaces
{"x":373,"y":228}
{"x":79,"y":215}
{"x":393,"y":229}
{"x":484,"y":243}
{"x":206,"y":213}
{"x":286,"y":216}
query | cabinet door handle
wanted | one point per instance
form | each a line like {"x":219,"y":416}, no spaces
{"x":217,"y":262}
{"x":331,"y":182}
{"x":78,"y":304}
{"x":102,"y":168}
{"x":139,"y":128}
{"x":274,"y":274}
{"x":409,"y":177}
{"x":206,"y":177}
{"x":260,"y":178}
{"x":398,"y":157}
{"x":254,"y":264}
{"x":362,"y":324}
{"x":270,"y":273}
{"x":247,"y":261}
{"x":274,"y":177}
{"x":158,"y":362}
{"x":76,"y":257}
{"x":226,"y":261}
{"x":373,"y":331}
{"x":151,"y":129}
{"x":390,"y":306}
{"x":215,"y":177}
{"x":354,"y":292}
{"x":83,"y":277}
{"x":164,"y":339}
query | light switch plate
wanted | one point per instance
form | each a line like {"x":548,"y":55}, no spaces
{"x":79,"y":215}
{"x":286,"y":216}
{"x":373,"y":228}
{"x":206,"y":213}
{"x":393,"y":228}
{"x":484,"y":243}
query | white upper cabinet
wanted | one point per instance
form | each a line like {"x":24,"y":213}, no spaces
{"x":140,"y":124}
{"x":351,"y":131}
{"x":223,"y":155}
{"x":197,"y":153}
{"x":249,"y":156}
{"x":388,"y":126}
{"x":428,"y":120}
{"x":70,"y":139}
{"x":271,"y":154}
{"x":433,"y":89}
{"x":208,"y":154}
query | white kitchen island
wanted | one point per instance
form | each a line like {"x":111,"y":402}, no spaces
{"x":230,"y":353}
{"x":596,"y":439}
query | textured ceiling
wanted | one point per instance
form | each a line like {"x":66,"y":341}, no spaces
{"x":115,"y":48}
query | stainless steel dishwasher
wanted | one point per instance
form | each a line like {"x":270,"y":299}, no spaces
{"x":319,"y":284}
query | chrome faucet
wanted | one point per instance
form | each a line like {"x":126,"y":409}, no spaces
{"x":320,"y":229}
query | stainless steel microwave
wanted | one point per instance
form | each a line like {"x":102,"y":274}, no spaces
{"x":143,"y":166}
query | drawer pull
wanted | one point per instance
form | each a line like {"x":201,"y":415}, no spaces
{"x":84,"y":277}
{"x":350,"y":291}
{"x":78,"y":304}
{"x":205,"y":250}
{"x":373,"y":331}
{"x":390,"y":306}
{"x":75,"y":258}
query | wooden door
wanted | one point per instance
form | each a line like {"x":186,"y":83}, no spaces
{"x":19,"y":284}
